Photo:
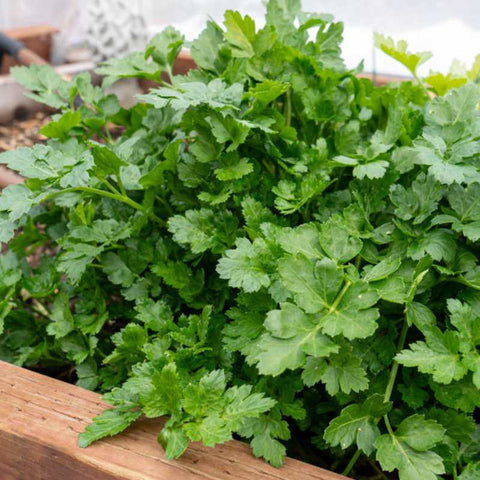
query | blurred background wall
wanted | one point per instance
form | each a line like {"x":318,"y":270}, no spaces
{"x":450,"y":29}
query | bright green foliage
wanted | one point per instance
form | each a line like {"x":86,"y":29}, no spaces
{"x":163,"y":49}
{"x":356,"y":423}
{"x":398,"y":51}
{"x":456,"y":77}
{"x":408,"y":449}
{"x":449,"y":355}
{"x":273,"y":249}
{"x":471,"y":472}
{"x":46,"y":85}
{"x":108,"y":423}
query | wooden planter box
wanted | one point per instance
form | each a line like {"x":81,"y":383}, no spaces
{"x":40,"y":419}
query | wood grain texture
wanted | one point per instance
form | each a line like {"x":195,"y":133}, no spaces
{"x":40,"y":419}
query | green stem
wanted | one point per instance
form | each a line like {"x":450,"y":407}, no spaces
{"x":301,"y":119}
{"x":8,"y":297}
{"x":120,"y":185}
{"x":288,"y":169}
{"x":455,"y":473}
{"x":340,"y":173}
{"x":102,"y":136}
{"x":332,"y":308}
{"x":459,"y":279}
{"x":94,"y":191}
{"x":103,"y":193}
{"x":395,"y":366}
{"x":10,"y":293}
{"x":419,"y":81}
{"x":39,"y":308}
{"x":288,"y":108}
{"x":388,"y":392}
{"x":352,"y":462}
{"x":111,"y":187}
{"x":100,"y":352}
{"x":168,"y":70}
{"x":388,"y":425}
{"x":268,"y":166}
{"x":340,"y":296}
{"x":108,"y":135}
{"x":393,"y":375}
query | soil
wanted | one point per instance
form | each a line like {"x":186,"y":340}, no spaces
{"x":23,"y":132}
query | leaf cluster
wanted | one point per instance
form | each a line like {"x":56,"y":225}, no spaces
{"x":274,"y":249}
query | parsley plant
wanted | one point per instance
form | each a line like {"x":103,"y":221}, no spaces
{"x":273,"y":249}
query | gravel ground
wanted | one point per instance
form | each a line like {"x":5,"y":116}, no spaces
{"x":23,"y":133}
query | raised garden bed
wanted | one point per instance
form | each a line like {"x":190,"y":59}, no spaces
{"x":40,"y":419}
{"x":276,"y":251}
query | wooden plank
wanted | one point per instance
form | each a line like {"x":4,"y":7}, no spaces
{"x":40,"y":419}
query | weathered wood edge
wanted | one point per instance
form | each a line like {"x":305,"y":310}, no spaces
{"x":40,"y":419}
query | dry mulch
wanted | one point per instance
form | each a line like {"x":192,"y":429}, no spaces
{"x":23,"y":133}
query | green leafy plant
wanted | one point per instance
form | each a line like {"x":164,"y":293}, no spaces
{"x":438,"y":82}
{"x":273,"y":249}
